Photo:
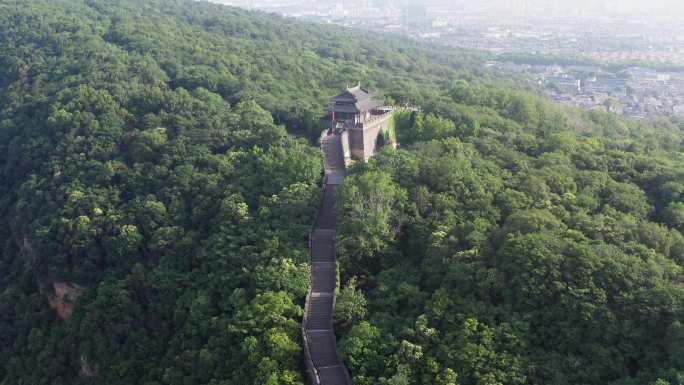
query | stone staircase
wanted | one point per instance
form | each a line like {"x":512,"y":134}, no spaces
{"x":335,"y":170}
{"x":323,"y":363}
{"x":320,"y":312}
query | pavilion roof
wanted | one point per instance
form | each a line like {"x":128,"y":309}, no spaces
{"x":356,"y":100}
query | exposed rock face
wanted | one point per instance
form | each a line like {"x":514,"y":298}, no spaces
{"x":25,"y":247}
{"x":88,"y":370}
{"x":63,"y":297}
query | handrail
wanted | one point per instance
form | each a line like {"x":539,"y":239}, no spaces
{"x":308,"y":360}
{"x":334,"y":301}
{"x":388,"y":112}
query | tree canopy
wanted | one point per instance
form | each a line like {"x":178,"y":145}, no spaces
{"x":534,"y":246}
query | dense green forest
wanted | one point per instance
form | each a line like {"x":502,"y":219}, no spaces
{"x":159,"y":175}
{"x":523,"y":245}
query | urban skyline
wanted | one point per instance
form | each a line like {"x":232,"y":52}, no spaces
{"x":671,"y":10}
{"x":530,"y":38}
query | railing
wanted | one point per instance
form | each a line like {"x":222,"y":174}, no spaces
{"x":389,"y":110}
{"x":377,"y":118}
{"x":314,"y":377}
{"x":308,"y":361}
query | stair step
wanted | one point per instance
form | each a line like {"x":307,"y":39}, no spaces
{"x":327,"y":215}
{"x":322,"y":250}
{"x":324,"y":277}
{"x":319,"y":313}
{"x":328,"y":234}
{"x":323,"y":347}
{"x":335,"y":375}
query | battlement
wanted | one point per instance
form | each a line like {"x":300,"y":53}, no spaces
{"x":361,"y":119}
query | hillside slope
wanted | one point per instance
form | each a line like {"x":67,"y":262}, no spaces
{"x":159,"y":180}
{"x":513,"y":242}
{"x":156,"y":207}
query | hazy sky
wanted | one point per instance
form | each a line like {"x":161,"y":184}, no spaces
{"x":672,"y":8}
{"x":642,"y":5}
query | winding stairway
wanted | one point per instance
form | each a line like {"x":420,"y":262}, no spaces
{"x":323,"y":363}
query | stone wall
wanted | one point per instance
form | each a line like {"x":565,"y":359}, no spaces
{"x":363,"y":138}
{"x":356,"y":142}
{"x":371,"y":131}
{"x":63,"y":298}
{"x":346,"y":150}
{"x":360,"y":141}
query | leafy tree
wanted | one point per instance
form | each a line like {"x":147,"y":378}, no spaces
{"x":350,"y":305}
{"x":674,"y":215}
{"x":369,"y":200}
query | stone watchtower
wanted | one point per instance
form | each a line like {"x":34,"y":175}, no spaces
{"x":361,"y":120}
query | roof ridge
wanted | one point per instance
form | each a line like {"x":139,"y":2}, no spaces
{"x":356,"y":87}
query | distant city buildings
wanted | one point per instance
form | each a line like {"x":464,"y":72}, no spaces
{"x":605,"y":32}
{"x":636,"y":91}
